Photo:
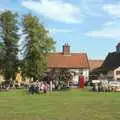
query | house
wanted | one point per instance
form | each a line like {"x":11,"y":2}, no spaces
{"x":111,"y":65}
{"x":75,"y":62}
{"x":94,"y":64}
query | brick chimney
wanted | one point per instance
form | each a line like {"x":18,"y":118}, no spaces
{"x":66,"y":49}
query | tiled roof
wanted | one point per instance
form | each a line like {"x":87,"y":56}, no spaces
{"x":112,"y":61}
{"x":74,"y":60}
{"x":94,"y":64}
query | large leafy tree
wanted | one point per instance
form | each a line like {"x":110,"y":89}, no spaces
{"x":2,"y":52}
{"x":9,"y":39}
{"x":65,"y":75}
{"x":38,"y":45}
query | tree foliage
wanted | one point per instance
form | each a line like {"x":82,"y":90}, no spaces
{"x":65,"y":75}
{"x":1,"y":54}
{"x":9,"y":39}
{"x":38,"y":45}
{"x":60,"y":74}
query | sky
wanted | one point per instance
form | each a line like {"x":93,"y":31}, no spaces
{"x":88,"y":26}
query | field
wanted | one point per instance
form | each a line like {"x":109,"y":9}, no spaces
{"x":69,"y":105}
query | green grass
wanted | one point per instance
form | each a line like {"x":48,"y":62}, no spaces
{"x":69,"y":105}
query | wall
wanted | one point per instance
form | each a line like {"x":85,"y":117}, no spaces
{"x":117,"y":73}
{"x":77,"y":74}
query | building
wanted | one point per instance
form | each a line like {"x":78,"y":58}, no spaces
{"x":94,"y":64}
{"x":111,"y":65}
{"x":75,"y":62}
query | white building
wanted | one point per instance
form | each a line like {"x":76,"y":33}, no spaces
{"x":117,"y":73}
{"x":76,"y":62}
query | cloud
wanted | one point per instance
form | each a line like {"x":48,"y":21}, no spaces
{"x":90,"y":7}
{"x":105,"y":33}
{"x":109,"y":23}
{"x":55,"y":10}
{"x":56,"y":30}
{"x":1,"y":9}
{"x":110,"y":29}
{"x":112,"y":9}
{"x":95,"y":1}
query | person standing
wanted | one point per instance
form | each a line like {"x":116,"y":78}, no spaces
{"x":81,"y":81}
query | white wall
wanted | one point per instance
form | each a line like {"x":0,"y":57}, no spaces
{"x":86,"y":74}
{"x":116,"y":76}
{"x":78,"y":72}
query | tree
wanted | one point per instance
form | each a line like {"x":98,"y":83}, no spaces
{"x":2,"y":52}
{"x":65,"y":75}
{"x":62,"y":77}
{"x":38,"y":45}
{"x":9,"y":38}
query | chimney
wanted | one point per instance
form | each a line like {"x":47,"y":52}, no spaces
{"x":66,"y":49}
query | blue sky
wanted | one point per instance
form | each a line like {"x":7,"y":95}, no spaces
{"x":91,"y":26}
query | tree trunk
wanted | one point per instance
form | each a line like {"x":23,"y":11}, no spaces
{"x":51,"y":86}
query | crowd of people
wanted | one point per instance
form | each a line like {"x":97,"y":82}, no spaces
{"x":106,"y":86}
{"x":37,"y":87}
{"x":44,"y":87}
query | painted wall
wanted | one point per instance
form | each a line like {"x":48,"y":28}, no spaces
{"x":117,"y":73}
{"x":78,"y":72}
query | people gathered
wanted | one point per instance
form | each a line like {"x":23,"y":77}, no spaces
{"x":38,"y":87}
{"x":44,"y":86}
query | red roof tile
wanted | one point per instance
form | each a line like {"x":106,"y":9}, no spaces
{"x":94,"y":64}
{"x":74,"y":60}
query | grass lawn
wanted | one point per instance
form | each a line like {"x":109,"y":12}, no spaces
{"x":69,"y":105}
